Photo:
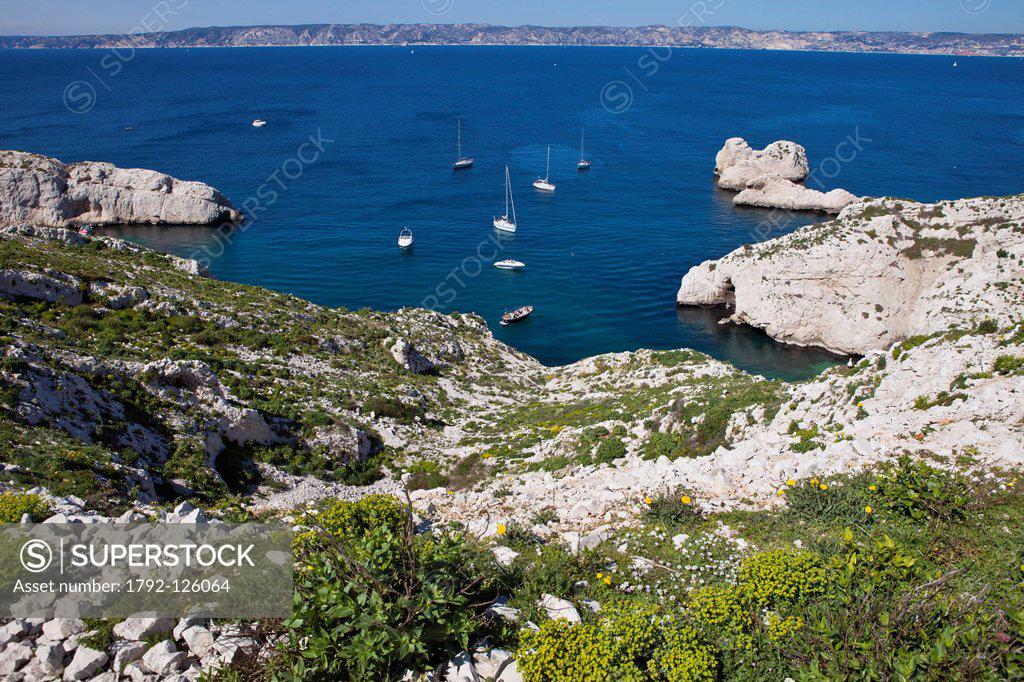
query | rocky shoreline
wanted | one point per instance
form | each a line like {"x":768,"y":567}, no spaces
{"x":41,"y":191}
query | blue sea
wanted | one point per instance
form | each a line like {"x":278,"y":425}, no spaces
{"x":360,"y":140}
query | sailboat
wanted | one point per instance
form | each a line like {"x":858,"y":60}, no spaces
{"x":460,"y":161}
{"x":505,"y":223}
{"x":583,"y":163}
{"x":544,"y":184}
{"x":405,"y":238}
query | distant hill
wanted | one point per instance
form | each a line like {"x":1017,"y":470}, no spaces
{"x":485,"y":34}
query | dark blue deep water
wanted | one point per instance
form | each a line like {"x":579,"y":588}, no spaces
{"x":604,"y":254}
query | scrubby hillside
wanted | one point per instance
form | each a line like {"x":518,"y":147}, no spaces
{"x":700,"y":522}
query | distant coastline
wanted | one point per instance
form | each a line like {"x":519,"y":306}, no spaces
{"x":956,"y":44}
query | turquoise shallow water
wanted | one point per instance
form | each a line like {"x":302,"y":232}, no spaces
{"x":604,"y":254}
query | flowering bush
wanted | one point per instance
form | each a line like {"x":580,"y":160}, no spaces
{"x":14,"y":505}
{"x":781,"y":576}
{"x":628,"y":644}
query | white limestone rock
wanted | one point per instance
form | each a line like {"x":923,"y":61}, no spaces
{"x":52,"y":287}
{"x":559,"y":608}
{"x":142,"y":628}
{"x":771,"y":192}
{"x":406,"y":355}
{"x":460,"y":669}
{"x":883,"y":271}
{"x":504,"y":555}
{"x":43,"y":191}
{"x":13,"y":657}
{"x":163,"y":658}
{"x":126,"y":653}
{"x":737,"y":163}
{"x":85,"y":662}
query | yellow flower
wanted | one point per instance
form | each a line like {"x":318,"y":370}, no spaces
{"x":872,"y":488}
{"x":860,"y":404}
{"x":868,"y":510}
{"x":600,"y":575}
{"x":501,"y":529}
{"x":791,"y":483}
{"x":782,"y":491}
{"x":685,"y":499}
{"x":648,"y":501}
{"x":814,"y":481}
{"x":823,"y":486}
{"x":607,"y":580}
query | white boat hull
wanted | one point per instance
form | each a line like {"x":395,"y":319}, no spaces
{"x":583,"y":165}
{"x":404,"y":243}
{"x":258,"y":124}
{"x":544,"y":185}
{"x":504,"y":224}
{"x":510,"y":265}
{"x":462,"y":163}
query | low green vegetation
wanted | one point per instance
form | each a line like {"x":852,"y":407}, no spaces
{"x":15,"y":505}
{"x":913,"y":571}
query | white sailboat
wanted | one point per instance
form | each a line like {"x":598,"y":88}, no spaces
{"x":544,"y":184}
{"x":460,"y":161}
{"x":405,"y":238}
{"x":583,"y":163}
{"x":507,"y":222}
{"x":259,"y":123}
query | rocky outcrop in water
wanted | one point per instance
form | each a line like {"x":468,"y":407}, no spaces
{"x":42,"y":191}
{"x":770,"y":177}
{"x":771,"y":192}
{"x":883,"y":271}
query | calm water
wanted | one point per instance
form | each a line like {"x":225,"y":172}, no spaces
{"x":604,"y":254}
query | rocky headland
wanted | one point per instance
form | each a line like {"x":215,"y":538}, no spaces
{"x":772,"y":177}
{"x":881,"y":272}
{"x":41,"y":191}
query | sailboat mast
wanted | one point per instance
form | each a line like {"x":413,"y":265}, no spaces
{"x":581,"y":144}
{"x":458,"y":139}
{"x":508,"y":181}
{"x":506,"y":191}
{"x":547,"y":170}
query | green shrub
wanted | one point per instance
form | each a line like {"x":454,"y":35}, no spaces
{"x":781,"y":576}
{"x":372,"y":600}
{"x":610,"y":450}
{"x":921,"y":492}
{"x":674,"y":508}
{"x":1009,"y":365}
{"x":14,"y":505}
{"x":683,"y":658}
{"x":662,"y":445}
{"x":628,"y":643}
{"x":425,"y":474}
{"x":563,"y":652}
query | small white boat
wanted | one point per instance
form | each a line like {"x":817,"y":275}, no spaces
{"x":510,"y":264}
{"x":955,"y":65}
{"x":507,"y":222}
{"x":405,"y":238}
{"x":544,"y":184}
{"x":461,"y":162}
{"x":582,"y":164}
{"x":259,"y":123}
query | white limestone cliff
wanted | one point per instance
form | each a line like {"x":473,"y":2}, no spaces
{"x":38,"y":190}
{"x":883,"y":271}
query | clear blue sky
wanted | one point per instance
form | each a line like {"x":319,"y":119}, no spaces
{"x":123,"y":16}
